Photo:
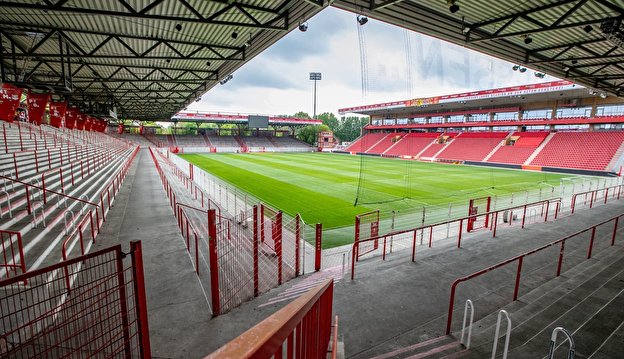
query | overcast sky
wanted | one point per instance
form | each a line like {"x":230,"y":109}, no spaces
{"x":401,"y":65}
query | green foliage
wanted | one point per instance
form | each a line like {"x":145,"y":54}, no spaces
{"x":350,"y":128}
{"x":309,"y":134}
{"x":301,"y":114}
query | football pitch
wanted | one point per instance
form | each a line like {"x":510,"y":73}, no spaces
{"x":322,"y":187}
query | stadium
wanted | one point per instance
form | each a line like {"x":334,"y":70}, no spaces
{"x":465,"y":224}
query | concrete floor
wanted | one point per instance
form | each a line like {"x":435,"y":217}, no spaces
{"x":390,"y":303}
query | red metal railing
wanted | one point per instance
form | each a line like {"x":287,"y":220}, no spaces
{"x":12,"y":253}
{"x":544,"y":205}
{"x":104,"y":314}
{"x":520,"y":258}
{"x":614,"y":191}
{"x":304,"y":327}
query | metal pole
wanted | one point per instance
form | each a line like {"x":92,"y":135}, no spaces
{"x":314,"y":116}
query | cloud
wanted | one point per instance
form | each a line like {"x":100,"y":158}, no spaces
{"x":401,"y":65}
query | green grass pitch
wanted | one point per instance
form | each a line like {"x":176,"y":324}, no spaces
{"x":322,"y":187}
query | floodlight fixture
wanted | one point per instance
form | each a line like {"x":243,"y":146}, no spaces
{"x":361,"y":19}
{"x":453,"y":7}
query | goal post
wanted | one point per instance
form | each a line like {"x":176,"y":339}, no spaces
{"x":477,"y":212}
{"x":366,"y":226}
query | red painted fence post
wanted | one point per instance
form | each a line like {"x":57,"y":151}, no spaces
{"x":214,"y":266}
{"x":615,"y":226}
{"x":297,"y":242}
{"x":317,"y":251}
{"x":255,"y":251}
{"x":277,"y":240}
{"x":591,"y":242}
{"x":518,"y":273}
{"x":140,"y":298}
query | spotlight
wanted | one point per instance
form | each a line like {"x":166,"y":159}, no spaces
{"x":168,"y":60}
{"x":591,"y":92}
{"x":516,"y":67}
{"x":466,"y":29}
{"x":539,"y":75}
{"x":303,"y":27}
{"x":528,"y":40}
{"x":361,"y":19}
{"x":163,"y":78}
{"x":178,"y":27}
{"x":198,"y":99}
{"x":207,"y":63}
{"x":566,"y":68}
{"x":453,"y":7}
{"x":603,"y":95}
{"x":588,"y":29}
{"x":574,"y":62}
{"x":234,"y":35}
{"x":522,"y":69}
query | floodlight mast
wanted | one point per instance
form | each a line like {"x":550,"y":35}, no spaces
{"x":315,"y":76}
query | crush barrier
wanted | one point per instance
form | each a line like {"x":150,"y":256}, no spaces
{"x":519,"y":260}
{"x":498,"y":219}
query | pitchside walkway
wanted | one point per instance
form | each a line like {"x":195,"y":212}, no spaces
{"x":176,"y":303}
{"x":390,"y":304}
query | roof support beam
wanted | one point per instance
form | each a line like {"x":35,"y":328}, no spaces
{"x":269,"y":25}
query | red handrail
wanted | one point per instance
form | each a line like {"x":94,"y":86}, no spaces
{"x":520,"y":258}
{"x":593,"y":195}
{"x":493,"y":228}
{"x":306,"y":319}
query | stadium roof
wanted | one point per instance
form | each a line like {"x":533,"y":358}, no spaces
{"x":151,"y":58}
{"x":240,"y":119}
{"x":503,"y":98}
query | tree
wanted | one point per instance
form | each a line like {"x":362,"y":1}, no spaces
{"x":350,"y":128}
{"x":330,"y":120}
{"x":309,"y":134}
{"x":301,"y":114}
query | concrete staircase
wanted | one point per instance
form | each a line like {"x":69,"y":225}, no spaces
{"x":588,"y":301}
{"x":73,"y":175}
{"x":539,"y":149}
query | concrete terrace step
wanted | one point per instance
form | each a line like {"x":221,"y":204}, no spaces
{"x":404,"y":314}
{"x":526,"y":311}
{"x":42,"y":245}
{"x":440,"y":347}
{"x":546,"y":288}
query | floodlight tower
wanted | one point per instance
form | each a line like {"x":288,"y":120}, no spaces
{"x":315,"y":76}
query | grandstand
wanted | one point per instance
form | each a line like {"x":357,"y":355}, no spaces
{"x":592,"y":144}
{"x":114,"y":245}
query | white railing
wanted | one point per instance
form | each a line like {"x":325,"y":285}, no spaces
{"x":507,"y":335}
{"x":553,"y":342}
{"x":461,"y":340}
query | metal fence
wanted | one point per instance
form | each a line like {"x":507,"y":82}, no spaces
{"x":90,"y":306}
